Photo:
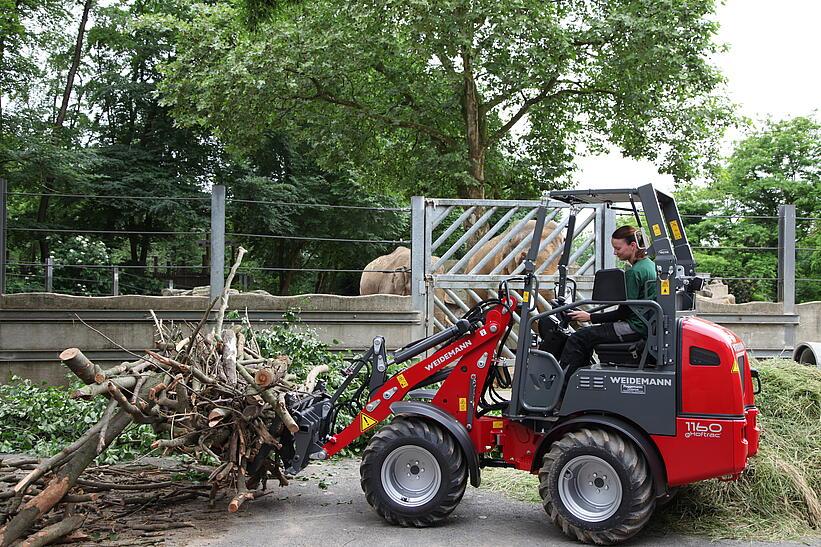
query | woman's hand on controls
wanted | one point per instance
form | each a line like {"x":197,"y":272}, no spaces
{"x":578,"y":315}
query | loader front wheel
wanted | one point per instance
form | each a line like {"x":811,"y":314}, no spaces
{"x":413,"y":473}
{"x":596,"y":486}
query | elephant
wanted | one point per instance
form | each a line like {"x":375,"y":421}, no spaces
{"x":388,"y":274}
{"x":549,"y":249}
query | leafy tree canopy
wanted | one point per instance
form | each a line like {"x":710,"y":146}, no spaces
{"x":776,"y":164}
{"x":475,"y":98}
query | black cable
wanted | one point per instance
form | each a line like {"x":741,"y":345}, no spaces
{"x":322,"y":205}
{"x":331,"y":239}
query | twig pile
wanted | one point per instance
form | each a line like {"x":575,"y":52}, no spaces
{"x":208,"y":393}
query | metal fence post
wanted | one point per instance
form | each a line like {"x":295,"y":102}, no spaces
{"x":217,"y":240}
{"x":786,"y":267}
{"x":605,"y":226}
{"x":115,"y":281}
{"x":418,"y":288}
{"x":49,"y":274}
{"x":3,"y":191}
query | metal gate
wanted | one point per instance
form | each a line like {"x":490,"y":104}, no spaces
{"x":462,"y":249}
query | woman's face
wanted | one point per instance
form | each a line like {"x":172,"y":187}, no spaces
{"x":623,"y":250}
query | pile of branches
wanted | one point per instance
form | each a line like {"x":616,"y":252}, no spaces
{"x":210,"y":392}
{"x":118,"y":505}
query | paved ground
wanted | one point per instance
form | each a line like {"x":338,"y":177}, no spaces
{"x":329,"y":509}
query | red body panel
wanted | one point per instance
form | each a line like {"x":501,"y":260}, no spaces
{"x":703,"y":449}
{"x":713,"y":429}
{"x":474,"y":354}
{"x":709,"y":389}
{"x":750,"y":410}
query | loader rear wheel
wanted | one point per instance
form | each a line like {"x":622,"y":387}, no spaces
{"x":413,"y":473}
{"x":596,"y":487}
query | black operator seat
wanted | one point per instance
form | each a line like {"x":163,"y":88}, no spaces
{"x":609,"y":284}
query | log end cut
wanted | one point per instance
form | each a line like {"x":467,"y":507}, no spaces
{"x":69,"y":353}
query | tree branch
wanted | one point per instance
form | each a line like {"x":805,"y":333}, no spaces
{"x":322,"y":94}
{"x":499,"y":133}
{"x":544,"y":96}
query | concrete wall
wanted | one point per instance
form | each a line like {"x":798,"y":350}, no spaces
{"x":764,"y":326}
{"x":36,"y":327}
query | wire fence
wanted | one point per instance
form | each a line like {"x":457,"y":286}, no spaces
{"x":322,"y":245}
{"x":46,"y":256}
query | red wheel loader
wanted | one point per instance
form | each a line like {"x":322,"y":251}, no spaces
{"x":609,"y":441}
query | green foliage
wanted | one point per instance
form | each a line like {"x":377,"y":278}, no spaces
{"x":281,"y":173}
{"x":421,"y":95}
{"x":294,"y":339}
{"x":81,"y":280}
{"x":42,"y":420}
{"x":777,"y":164}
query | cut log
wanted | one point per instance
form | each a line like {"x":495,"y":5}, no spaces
{"x":50,"y":534}
{"x":81,"y":366}
{"x":229,"y":356}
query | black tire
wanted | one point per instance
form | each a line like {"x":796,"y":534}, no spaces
{"x":668,"y":498}
{"x":609,"y":510}
{"x":397,"y":446}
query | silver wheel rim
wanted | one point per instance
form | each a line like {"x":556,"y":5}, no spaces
{"x":590,"y":488}
{"x":411,"y":476}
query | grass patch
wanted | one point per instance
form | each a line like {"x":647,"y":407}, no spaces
{"x":776,"y":498}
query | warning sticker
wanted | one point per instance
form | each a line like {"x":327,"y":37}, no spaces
{"x":402,"y":381}
{"x":525,"y":296}
{"x":735,"y":367}
{"x":674,"y":227}
{"x":665,"y":286}
{"x":656,"y":230}
{"x":366,"y":422}
{"x":463,"y":404}
{"x":498,"y":424}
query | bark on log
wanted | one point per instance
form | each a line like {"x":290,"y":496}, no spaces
{"x":310,"y":380}
{"x":81,"y":366}
{"x":184,"y":368}
{"x":224,"y":299}
{"x":59,"y":486}
{"x":229,"y":356}
{"x":50,"y":534}
{"x":278,"y":404}
{"x":122,"y":382}
{"x":270,"y":375}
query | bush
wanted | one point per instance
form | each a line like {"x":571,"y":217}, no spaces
{"x":80,"y":279}
{"x":42,"y":420}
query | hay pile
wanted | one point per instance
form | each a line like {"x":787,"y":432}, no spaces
{"x":777,"y":498}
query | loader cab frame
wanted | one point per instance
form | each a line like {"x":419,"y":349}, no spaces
{"x":538,"y":378}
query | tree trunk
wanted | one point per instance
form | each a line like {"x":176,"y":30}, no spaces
{"x":476,"y":144}
{"x":146,"y":244}
{"x":133,"y":245}
{"x":42,"y":210}
{"x":475,"y":134}
{"x":75,"y":63}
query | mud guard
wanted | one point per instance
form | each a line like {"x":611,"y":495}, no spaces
{"x":426,"y":410}
{"x":648,"y":449}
